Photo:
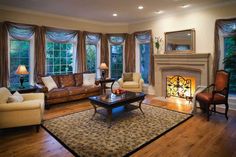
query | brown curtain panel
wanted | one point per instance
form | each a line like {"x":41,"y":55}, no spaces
{"x":4,"y":74}
{"x":105,"y":51}
{"x":81,"y":52}
{"x":219,"y":26}
{"x":130,"y":53}
{"x":151,"y":70}
{"x":40,"y":56}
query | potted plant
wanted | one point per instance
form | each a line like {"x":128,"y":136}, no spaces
{"x":158,"y":41}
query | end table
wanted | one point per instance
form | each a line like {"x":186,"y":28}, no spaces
{"x":27,"y":89}
{"x":103,"y":83}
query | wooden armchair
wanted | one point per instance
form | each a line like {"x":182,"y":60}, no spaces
{"x":218,"y":95}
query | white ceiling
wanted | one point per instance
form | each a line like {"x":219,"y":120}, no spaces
{"x":102,"y":10}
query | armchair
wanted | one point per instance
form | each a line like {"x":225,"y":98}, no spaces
{"x":28,"y":112}
{"x":136,"y":85}
{"x":219,"y":94}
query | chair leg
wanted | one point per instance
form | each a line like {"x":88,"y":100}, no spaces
{"x":207,"y":111}
{"x":226,"y":110}
{"x":37,"y":128}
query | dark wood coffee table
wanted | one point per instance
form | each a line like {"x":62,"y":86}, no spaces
{"x":109,"y":102}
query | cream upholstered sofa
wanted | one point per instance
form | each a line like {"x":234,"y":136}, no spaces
{"x":136,"y":85}
{"x":28,"y":112}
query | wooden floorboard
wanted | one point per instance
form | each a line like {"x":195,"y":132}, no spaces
{"x":196,"y":137}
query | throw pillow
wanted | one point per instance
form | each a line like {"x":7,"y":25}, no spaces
{"x":16,"y":97}
{"x":128,"y":77}
{"x":4,"y":94}
{"x":89,"y":79}
{"x":49,"y":82}
{"x":78,"y":79}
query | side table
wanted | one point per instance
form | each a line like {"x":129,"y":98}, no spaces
{"x":103,"y":83}
{"x":27,"y":89}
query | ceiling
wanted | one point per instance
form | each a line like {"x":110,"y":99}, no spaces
{"x":102,"y":10}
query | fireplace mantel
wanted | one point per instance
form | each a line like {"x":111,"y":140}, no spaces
{"x":189,"y":63}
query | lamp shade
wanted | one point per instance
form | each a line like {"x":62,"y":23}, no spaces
{"x":21,"y":70}
{"x":103,"y":66}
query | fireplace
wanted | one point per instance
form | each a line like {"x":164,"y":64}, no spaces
{"x":180,"y":86}
{"x":191,"y":67}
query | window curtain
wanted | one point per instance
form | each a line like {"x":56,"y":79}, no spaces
{"x":105,"y":51}
{"x":4,"y":74}
{"x":130,"y":53}
{"x":146,"y":36}
{"x":60,"y":35}
{"x":223,"y":25}
{"x":116,"y":39}
{"x":81,"y":50}
{"x":17,"y":31}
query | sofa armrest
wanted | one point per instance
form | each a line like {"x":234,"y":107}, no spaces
{"x":17,"y":106}
{"x":42,"y":88}
{"x":141,"y":82}
{"x":120,"y":81}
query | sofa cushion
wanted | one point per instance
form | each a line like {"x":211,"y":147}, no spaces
{"x":130,"y":84}
{"x":78,"y":79}
{"x":127,"y":77}
{"x":66,"y":80}
{"x":92,"y":88}
{"x":136,"y":77}
{"x":76,"y":90}
{"x":57,"y":93}
{"x":49,"y":82}
{"x":5,"y":93}
{"x":89,"y":79}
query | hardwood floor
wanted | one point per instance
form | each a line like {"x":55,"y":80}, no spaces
{"x":195,"y":137}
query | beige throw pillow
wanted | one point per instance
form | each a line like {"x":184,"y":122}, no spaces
{"x":89,"y":79}
{"x":16,"y":97}
{"x":4,"y":95}
{"x":127,"y":77}
{"x":49,"y":82}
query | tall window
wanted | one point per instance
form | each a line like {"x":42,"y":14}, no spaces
{"x":59,"y":58}
{"x":19,"y":55}
{"x":143,"y":55}
{"x":60,"y":51}
{"x":116,"y":56}
{"x":230,"y":56}
{"x":21,"y":52}
{"x":92,"y":53}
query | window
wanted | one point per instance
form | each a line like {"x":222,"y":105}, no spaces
{"x":116,"y":61}
{"x":59,"y":58}
{"x":229,"y":50}
{"x":144,"y":49}
{"x":91,"y":58}
{"x":143,"y":55}
{"x":19,"y":55}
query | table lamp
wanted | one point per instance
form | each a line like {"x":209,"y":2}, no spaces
{"x":103,"y":67}
{"x":21,"y":70}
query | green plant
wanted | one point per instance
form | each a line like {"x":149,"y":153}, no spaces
{"x":158,"y":41}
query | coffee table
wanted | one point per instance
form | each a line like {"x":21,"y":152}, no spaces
{"x":109,"y":102}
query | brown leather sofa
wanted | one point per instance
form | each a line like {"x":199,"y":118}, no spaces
{"x":70,"y":87}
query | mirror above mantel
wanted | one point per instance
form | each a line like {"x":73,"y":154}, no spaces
{"x":182,"y":41}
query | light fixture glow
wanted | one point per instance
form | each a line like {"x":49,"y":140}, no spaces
{"x":114,"y":14}
{"x":185,"y":6}
{"x":159,"y":12}
{"x":140,"y":7}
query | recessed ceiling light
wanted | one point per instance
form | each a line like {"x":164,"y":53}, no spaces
{"x":114,"y":14}
{"x":140,"y":7}
{"x":185,"y":6}
{"x":159,"y":12}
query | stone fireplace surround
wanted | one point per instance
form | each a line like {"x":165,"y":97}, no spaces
{"x":193,"y":65}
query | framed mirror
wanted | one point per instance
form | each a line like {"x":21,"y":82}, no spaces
{"x":180,"y":41}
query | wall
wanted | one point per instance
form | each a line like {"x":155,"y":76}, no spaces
{"x":32,"y":17}
{"x":202,"y":20}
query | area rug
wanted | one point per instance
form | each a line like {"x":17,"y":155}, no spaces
{"x":129,"y":132}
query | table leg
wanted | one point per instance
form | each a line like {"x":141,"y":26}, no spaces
{"x":140,"y":103}
{"x":95,"y":110}
{"x":109,"y":116}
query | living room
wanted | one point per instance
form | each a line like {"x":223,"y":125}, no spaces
{"x":71,"y":68}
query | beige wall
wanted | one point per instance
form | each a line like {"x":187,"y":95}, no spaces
{"x":17,"y":15}
{"x":202,"y":20}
